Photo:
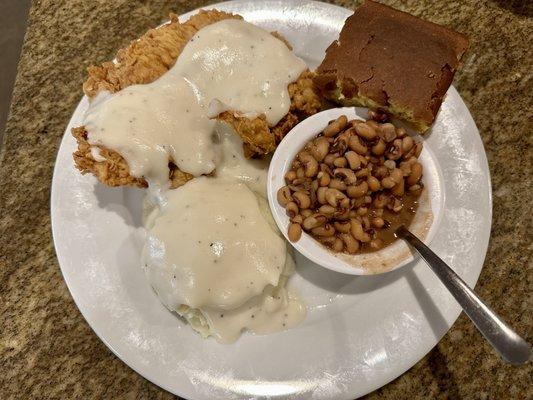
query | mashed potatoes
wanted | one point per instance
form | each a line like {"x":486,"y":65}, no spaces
{"x":213,"y":255}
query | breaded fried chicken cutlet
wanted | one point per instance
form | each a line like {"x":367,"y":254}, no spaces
{"x":147,"y":59}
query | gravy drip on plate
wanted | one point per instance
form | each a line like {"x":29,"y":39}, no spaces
{"x":232,"y":165}
{"x":276,"y":309}
{"x":229,"y":65}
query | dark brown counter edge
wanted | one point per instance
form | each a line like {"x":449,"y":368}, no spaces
{"x":47,"y":350}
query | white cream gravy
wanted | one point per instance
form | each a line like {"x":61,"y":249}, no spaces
{"x":274,"y":310}
{"x":212,"y":248}
{"x":232,"y":165}
{"x":242,"y":67}
{"x":229,"y":65}
{"x":211,"y":244}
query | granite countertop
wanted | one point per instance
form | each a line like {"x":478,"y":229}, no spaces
{"x":47,"y":350}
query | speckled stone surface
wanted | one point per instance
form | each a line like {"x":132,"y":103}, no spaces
{"x":47,"y":350}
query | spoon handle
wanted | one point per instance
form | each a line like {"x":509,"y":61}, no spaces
{"x":511,"y":347}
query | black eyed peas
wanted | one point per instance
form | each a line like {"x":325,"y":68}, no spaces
{"x":337,"y":184}
{"x":306,"y":213}
{"x":366,"y":131}
{"x":357,"y":190}
{"x":302,"y":200}
{"x":284,"y":196}
{"x":379,"y":148}
{"x":319,"y":148}
{"x":354,"y":161}
{"x":350,"y":187}
{"x":336,"y":126}
{"x":310,"y":164}
{"x":314,"y":221}
{"x":337,"y":245}
{"x":290,"y":176}
{"x":295,"y":232}
{"x":415,"y":175}
{"x":292,"y":209}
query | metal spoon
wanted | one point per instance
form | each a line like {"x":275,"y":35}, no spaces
{"x":511,"y":347}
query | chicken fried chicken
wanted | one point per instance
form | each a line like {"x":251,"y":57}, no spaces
{"x":145,"y":60}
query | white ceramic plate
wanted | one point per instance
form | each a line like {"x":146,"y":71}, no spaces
{"x":361,"y":331}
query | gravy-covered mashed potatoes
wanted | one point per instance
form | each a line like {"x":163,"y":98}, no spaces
{"x":213,"y":255}
{"x":212,"y":252}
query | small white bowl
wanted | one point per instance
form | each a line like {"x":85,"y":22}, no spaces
{"x":387,"y":259}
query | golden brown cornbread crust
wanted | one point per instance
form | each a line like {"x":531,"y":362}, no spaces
{"x":149,"y":57}
{"x":393,"y":61}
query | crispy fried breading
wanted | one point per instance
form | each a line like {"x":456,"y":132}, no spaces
{"x":260,"y":139}
{"x":149,"y":57}
{"x":145,"y":60}
{"x":114,"y":171}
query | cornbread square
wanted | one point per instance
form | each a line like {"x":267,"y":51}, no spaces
{"x":393,"y":61}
